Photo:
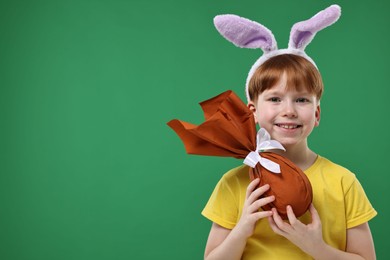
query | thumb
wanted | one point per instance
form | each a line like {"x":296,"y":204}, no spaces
{"x":315,"y":218}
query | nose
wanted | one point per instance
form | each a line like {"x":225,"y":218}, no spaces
{"x":289,"y":109}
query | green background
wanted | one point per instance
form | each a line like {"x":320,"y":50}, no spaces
{"x":88,"y":167}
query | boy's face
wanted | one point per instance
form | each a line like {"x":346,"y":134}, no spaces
{"x":288,"y":116}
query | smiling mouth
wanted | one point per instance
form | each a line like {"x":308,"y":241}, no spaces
{"x":288,"y":126}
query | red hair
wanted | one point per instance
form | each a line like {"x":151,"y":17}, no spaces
{"x":301,"y":75}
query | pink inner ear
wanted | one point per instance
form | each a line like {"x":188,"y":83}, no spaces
{"x":245,"y":33}
{"x":301,"y":39}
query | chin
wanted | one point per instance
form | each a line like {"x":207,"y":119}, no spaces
{"x":288,"y":143}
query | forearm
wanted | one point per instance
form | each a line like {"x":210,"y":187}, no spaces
{"x":325,"y":252}
{"x":360,"y":245}
{"x":230,"y":249}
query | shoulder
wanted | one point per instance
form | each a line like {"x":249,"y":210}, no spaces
{"x":237,"y":175}
{"x":235,"y":179}
{"x":332,"y":172}
{"x":328,"y":165}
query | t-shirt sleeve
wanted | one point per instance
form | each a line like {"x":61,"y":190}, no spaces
{"x":358,"y":208}
{"x":222,"y":207}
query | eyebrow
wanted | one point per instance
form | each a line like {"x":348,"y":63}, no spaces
{"x":270,"y":92}
{"x":279,"y":93}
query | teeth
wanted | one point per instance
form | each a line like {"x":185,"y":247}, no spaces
{"x":288,"y":126}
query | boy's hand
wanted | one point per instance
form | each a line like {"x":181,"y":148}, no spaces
{"x":250,"y":212}
{"x":306,"y":237}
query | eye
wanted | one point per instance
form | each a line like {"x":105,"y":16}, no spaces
{"x":274,"y":99}
{"x":302,"y":100}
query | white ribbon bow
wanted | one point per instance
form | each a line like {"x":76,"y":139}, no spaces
{"x":264,"y":142}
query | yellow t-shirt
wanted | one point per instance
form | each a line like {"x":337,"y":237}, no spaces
{"x":337,"y":195}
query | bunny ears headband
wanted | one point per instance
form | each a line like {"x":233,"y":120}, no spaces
{"x":245,"y":33}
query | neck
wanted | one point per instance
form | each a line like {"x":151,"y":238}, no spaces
{"x":303,"y":157}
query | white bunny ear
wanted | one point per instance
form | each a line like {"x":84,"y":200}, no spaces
{"x":302,"y":33}
{"x":245,"y":33}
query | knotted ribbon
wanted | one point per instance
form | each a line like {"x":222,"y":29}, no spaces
{"x":264,"y":143}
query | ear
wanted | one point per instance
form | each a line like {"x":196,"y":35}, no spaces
{"x":318,"y":115}
{"x":245,"y":33}
{"x":252,"y":108}
{"x":303,"y":32}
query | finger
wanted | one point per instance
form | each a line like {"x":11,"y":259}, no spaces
{"x":283,"y":226}
{"x":261,"y":202}
{"x":257,"y":193}
{"x":290,"y":213}
{"x":272,"y":224}
{"x":251,"y":187}
{"x":256,"y":205}
{"x":274,"y":227}
{"x":262,"y":214}
{"x":294,"y":222}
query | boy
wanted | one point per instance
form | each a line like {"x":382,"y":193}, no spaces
{"x":284,"y":97}
{"x":284,"y":88}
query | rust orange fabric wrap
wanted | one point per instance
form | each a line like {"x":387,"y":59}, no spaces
{"x":229,"y":130}
{"x":290,"y":187}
